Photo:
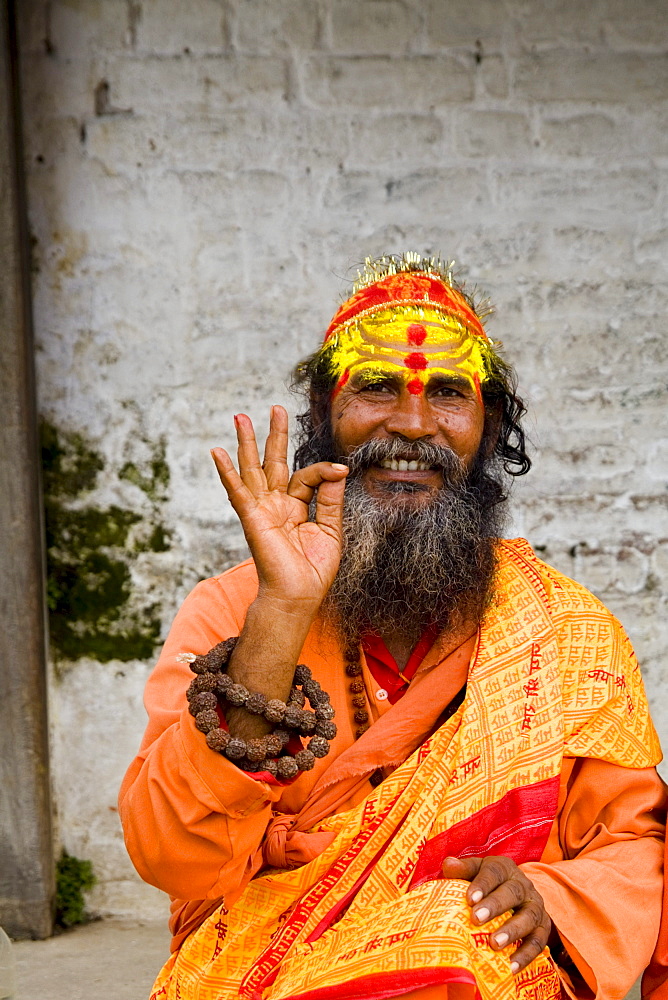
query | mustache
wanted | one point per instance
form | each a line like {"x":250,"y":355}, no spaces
{"x":377,"y":450}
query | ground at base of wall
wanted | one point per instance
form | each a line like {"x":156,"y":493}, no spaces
{"x":107,"y":958}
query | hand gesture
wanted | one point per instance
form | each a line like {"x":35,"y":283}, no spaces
{"x":498,"y":885}
{"x":296,"y":559}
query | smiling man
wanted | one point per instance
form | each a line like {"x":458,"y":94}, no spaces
{"x":393,"y":754}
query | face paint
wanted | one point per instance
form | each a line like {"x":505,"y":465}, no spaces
{"x":407,"y":316}
{"x":416,"y":343}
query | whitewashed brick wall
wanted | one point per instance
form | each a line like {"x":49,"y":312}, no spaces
{"x":201,"y":177}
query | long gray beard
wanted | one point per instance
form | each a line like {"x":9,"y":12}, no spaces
{"x":411,"y":563}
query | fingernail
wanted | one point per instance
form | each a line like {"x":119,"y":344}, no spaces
{"x":514,"y":967}
{"x":501,"y":939}
{"x":476,"y":896}
{"x":335,"y":465}
{"x":482,"y":914}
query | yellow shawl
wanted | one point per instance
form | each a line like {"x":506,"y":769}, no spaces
{"x":553,"y":675}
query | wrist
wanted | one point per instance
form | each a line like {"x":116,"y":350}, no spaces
{"x":268,"y":650}
{"x":277,"y":610}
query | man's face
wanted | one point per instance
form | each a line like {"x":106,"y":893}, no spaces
{"x":408,"y":374}
{"x":382,"y":405}
{"x":418,"y":542}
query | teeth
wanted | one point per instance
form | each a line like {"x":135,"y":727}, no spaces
{"x":401,"y":465}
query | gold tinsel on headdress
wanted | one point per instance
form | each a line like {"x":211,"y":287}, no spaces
{"x":375,"y":269}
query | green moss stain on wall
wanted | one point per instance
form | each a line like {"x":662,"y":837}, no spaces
{"x":73,"y":878}
{"x":159,"y":540}
{"x":90,"y":550}
{"x":69,"y":466}
{"x":155,"y":480}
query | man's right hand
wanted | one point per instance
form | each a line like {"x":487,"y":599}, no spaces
{"x":296,"y":559}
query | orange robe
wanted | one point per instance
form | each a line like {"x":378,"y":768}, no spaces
{"x":200,"y":829}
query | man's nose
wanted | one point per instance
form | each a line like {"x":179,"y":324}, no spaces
{"x":412,"y":417}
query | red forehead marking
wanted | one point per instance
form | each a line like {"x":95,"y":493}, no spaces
{"x":342,"y":381}
{"x":416,"y":334}
{"x":476,"y":380}
{"x":415,"y":386}
{"x":416,"y":361}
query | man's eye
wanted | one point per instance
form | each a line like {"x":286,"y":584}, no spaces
{"x":377,"y":387}
{"x":448,"y":390}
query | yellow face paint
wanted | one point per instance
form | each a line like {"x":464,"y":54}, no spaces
{"x":414,"y":342}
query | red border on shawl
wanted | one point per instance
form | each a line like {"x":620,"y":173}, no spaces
{"x":264,"y":970}
{"x":331,"y":916}
{"x":518,"y":826}
{"x":382,"y":986}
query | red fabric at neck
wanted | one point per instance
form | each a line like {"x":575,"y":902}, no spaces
{"x":384,"y":667}
{"x":385,"y":672}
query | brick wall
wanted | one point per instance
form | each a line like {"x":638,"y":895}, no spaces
{"x":201,"y":178}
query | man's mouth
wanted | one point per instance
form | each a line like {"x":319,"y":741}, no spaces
{"x":403,"y":465}
{"x":394,"y":460}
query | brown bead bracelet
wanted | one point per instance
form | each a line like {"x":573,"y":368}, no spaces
{"x":211,"y":686}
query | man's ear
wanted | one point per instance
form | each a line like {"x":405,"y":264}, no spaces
{"x":493,"y":419}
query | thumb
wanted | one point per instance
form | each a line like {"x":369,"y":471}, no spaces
{"x":463,"y":868}
{"x":329,"y":505}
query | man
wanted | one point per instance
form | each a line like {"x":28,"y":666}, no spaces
{"x":488,"y":818}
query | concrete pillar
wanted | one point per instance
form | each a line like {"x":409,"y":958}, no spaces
{"x":26,"y":851}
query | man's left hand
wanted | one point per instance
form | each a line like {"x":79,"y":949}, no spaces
{"x":498,"y":885}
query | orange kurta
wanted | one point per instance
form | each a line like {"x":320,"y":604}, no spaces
{"x":195,"y":825}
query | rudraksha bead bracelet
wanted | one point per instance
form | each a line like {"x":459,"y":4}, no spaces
{"x":212,"y":686}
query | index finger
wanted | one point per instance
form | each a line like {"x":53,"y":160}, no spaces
{"x":304,"y":482}
{"x":275,"y":463}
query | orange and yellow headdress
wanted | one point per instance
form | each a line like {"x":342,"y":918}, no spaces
{"x":407,"y":314}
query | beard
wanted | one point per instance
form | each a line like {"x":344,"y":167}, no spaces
{"x":414,"y":557}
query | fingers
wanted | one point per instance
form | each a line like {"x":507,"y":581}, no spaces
{"x":248,"y":456}
{"x":511,"y":893}
{"x":238,"y":493}
{"x":484,"y":874}
{"x":530,"y":948}
{"x":499,"y":886}
{"x":304,"y":482}
{"x":492,"y":873}
{"x":529,"y":925}
{"x":275,"y":463}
